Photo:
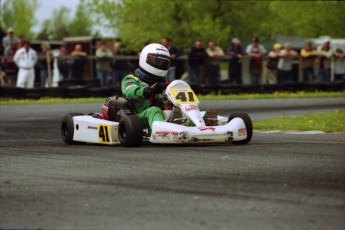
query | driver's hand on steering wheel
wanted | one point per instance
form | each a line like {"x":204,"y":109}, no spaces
{"x":156,"y":88}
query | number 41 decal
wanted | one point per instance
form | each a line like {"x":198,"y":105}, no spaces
{"x":103,"y":133}
{"x":184,"y":97}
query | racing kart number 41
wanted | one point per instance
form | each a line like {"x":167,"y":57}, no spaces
{"x":118,"y":123}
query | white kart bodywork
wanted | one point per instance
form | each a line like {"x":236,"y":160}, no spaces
{"x":93,"y":130}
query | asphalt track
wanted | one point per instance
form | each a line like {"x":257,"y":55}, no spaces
{"x":278,"y":181}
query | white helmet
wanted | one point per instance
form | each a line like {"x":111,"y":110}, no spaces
{"x":155,"y":60}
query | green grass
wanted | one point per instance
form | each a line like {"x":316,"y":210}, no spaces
{"x":327,"y":122}
{"x":10,"y":101}
{"x":277,"y":95}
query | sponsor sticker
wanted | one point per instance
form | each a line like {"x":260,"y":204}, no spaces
{"x":207,"y":128}
{"x":191,"y":107}
{"x":129,"y":85}
{"x":167,"y":135}
{"x":242,"y":132}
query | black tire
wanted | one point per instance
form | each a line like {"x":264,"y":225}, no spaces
{"x":249,"y":126}
{"x":130,"y":131}
{"x":67,"y":127}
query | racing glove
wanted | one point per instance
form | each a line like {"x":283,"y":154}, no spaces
{"x":156,"y":88}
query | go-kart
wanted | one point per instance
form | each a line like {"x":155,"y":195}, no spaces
{"x":119,"y":125}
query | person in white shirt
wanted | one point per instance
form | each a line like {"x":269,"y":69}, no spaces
{"x":25,"y":58}
{"x":285,"y":64}
{"x":255,"y":52}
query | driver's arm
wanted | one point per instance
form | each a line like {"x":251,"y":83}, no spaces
{"x":131,"y":88}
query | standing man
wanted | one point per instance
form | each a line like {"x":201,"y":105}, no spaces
{"x":339,"y":65}
{"x":103,"y":55}
{"x":174,"y":53}
{"x":196,"y":62}
{"x":10,"y":43}
{"x":25,"y":58}
{"x":235,"y":52}
{"x":272,"y":65}
{"x":308,"y":56}
{"x":79,"y":59}
{"x":64,"y":64}
{"x":119,"y":67}
{"x":286,"y":57}
{"x":46,"y":65}
{"x":255,"y":52}
{"x":213,"y":67}
{"x":325,"y":55}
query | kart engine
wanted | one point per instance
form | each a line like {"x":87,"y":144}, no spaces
{"x":113,"y":104}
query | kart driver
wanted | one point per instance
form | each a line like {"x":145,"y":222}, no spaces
{"x":148,"y":79}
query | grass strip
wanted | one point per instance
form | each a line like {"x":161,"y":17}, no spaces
{"x":47,"y":100}
{"x":328,"y":122}
{"x":276,"y":95}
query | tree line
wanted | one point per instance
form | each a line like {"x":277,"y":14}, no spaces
{"x":184,"y":21}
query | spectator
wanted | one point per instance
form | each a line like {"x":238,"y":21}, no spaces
{"x":196,"y":60}
{"x":46,"y":64}
{"x":10,"y":42}
{"x":103,"y":55}
{"x":272,"y":64}
{"x":255,"y":51}
{"x":79,"y":58}
{"x":119,"y":67}
{"x":174,"y":53}
{"x":339,"y":65}
{"x":324,"y":61}
{"x":10,"y":45}
{"x":285,"y":63}
{"x":308,"y":56}
{"x":63,"y":63}
{"x":235,"y":52}
{"x":25,"y":58}
{"x":213,"y":67}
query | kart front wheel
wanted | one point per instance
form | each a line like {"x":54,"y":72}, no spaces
{"x":67,"y":127}
{"x":249,"y":126}
{"x":130,"y":131}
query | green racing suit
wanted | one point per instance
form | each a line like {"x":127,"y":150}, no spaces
{"x":132,"y":88}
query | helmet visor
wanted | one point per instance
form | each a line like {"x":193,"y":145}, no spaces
{"x":158,"y":61}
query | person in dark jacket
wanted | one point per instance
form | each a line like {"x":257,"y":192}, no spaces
{"x":197,"y":57}
{"x":235,"y":52}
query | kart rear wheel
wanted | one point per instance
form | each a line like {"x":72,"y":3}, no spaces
{"x":67,"y":127}
{"x":130,"y":131}
{"x":249,"y":126}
